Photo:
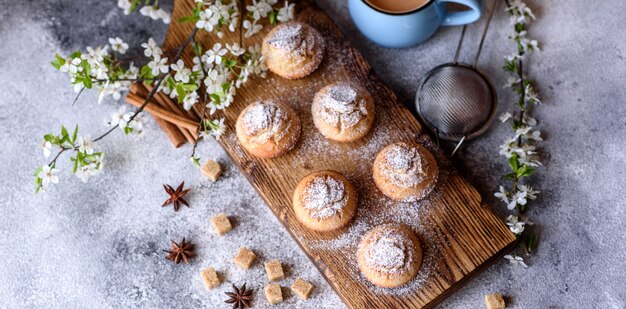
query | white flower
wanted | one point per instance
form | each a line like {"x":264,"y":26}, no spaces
{"x":150,"y":11}
{"x":502,"y":195}
{"x":251,"y":28}
{"x":531,"y":95}
{"x":215,"y":54}
{"x":72,"y":66}
{"x":515,"y":260}
{"x":235,"y":49}
{"x":529,"y":120}
{"x":514,"y":57}
{"x":208,"y":20}
{"x":48,"y":175}
{"x":164,"y":15}
{"x":505,"y":117}
{"x":532,"y":45}
{"x":85,"y":145}
{"x":516,"y":226}
{"x":118,"y":45}
{"x":528,"y":191}
{"x":182,"y":73}
{"x":536,"y":135}
{"x":117,"y":118}
{"x":124,"y":5}
{"x":218,"y":128}
{"x":158,"y":64}
{"x":151,"y":48}
{"x":47,"y":148}
{"x":95,"y":55}
{"x":512,"y":81}
{"x":190,"y":100}
{"x":132,"y":72}
{"x":286,"y":13}
{"x":212,"y":106}
{"x":213,"y":81}
{"x":93,"y":168}
{"x":259,"y":9}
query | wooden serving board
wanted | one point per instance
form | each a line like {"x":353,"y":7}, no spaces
{"x":459,"y":233}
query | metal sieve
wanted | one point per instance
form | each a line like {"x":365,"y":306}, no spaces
{"x":456,"y":100}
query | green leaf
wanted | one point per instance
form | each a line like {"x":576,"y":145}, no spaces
{"x":87,"y":82}
{"x":128,"y":130}
{"x":527,"y":172}
{"x":75,"y":134}
{"x":513,"y":163}
{"x":509,"y":176}
{"x":180,"y":91}
{"x":272,"y":17}
{"x":64,"y":135}
{"x":531,"y":243}
{"x":58,"y":62}
{"x":188,"y":19}
{"x":196,"y":161}
{"x":75,"y":164}
{"x":145,"y":72}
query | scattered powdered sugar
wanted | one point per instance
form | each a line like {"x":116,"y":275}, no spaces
{"x":324,"y":197}
{"x":265,"y":121}
{"x":402,"y":165}
{"x":341,"y":107}
{"x":389,"y":252}
{"x":289,"y":37}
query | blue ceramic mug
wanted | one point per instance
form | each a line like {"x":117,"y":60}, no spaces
{"x":410,"y":28}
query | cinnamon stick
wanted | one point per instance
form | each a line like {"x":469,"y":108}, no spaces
{"x":141,"y":90}
{"x":158,"y":111}
{"x":170,"y":105}
{"x":172,"y":131}
{"x":165,"y":100}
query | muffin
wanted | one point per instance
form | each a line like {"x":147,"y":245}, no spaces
{"x":293,"y":50}
{"x":343,"y":112}
{"x":405,"y":172}
{"x":268,"y":129}
{"x":389,"y":255}
{"x":324,"y":201}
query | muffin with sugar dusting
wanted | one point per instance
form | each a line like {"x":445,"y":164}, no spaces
{"x":343,"y":112}
{"x":268,"y":129}
{"x":324,"y":201}
{"x":293,"y":50}
{"x":405,"y":172}
{"x":389,"y":255}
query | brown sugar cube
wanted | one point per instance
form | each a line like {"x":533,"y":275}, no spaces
{"x":245,"y":258}
{"x":221,"y":224}
{"x":273,"y":293}
{"x":302,"y":288}
{"x":210,"y":278}
{"x":274,"y":270}
{"x":494,"y":301}
{"x":212,"y":170}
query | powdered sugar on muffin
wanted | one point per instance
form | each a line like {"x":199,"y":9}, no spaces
{"x":390,"y":251}
{"x":341,"y":107}
{"x":403,"y":166}
{"x":324,"y":197}
{"x":265,"y":121}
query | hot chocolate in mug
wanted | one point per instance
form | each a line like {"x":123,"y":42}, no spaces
{"x":404,"y":23}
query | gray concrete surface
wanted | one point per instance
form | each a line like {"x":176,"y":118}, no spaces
{"x":98,"y":245}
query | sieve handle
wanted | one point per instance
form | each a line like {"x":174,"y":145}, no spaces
{"x":463,"y":17}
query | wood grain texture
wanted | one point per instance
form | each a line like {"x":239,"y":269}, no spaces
{"x":460,"y":234}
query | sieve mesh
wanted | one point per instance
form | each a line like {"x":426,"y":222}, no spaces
{"x":456,"y":100}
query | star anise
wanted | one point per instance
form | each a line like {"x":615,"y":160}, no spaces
{"x":176,"y":196}
{"x":239,"y":297}
{"x":183,"y":251}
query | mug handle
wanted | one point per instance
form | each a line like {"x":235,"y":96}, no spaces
{"x":463,"y":17}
